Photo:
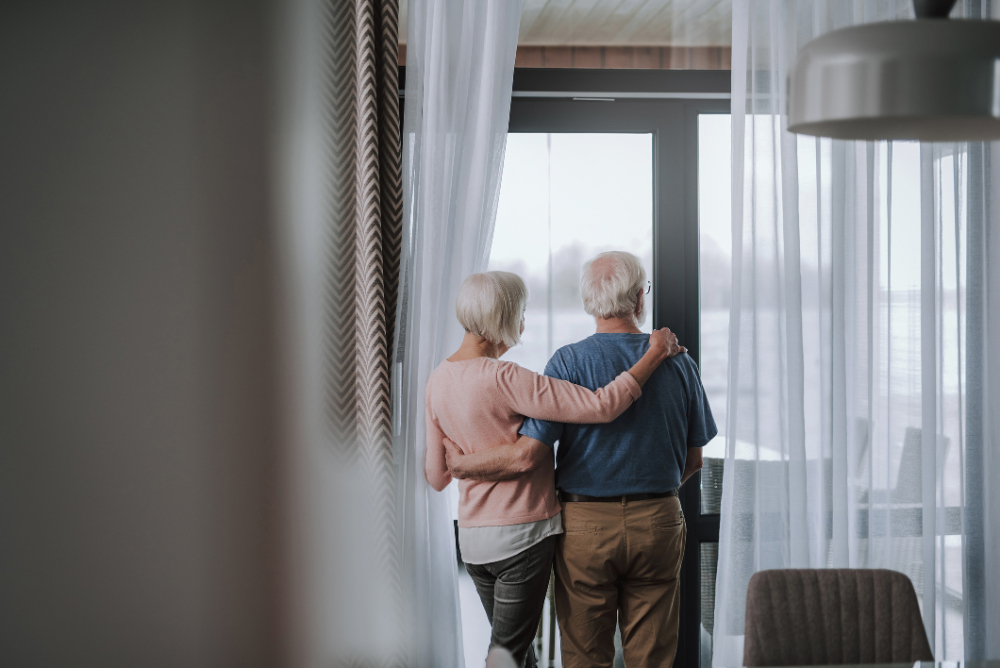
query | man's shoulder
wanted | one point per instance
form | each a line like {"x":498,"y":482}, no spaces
{"x":686,"y":365}
{"x":574,"y":348}
{"x":600,"y":345}
{"x":569,"y":356}
{"x":677,"y":374}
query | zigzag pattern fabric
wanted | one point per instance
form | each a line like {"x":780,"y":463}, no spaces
{"x":363,"y":248}
{"x":366,"y":222}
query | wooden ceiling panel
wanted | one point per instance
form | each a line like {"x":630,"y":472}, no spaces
{"x":552,"y":16}
{"x":619,"y":23}
{"x":688,"y":23}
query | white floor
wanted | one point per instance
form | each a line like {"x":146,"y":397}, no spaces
{"x":475,"y":625}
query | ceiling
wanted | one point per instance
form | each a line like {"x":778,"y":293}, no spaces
{"x":619,"y":23}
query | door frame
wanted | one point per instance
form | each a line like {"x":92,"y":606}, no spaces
{"x":665,"y":104}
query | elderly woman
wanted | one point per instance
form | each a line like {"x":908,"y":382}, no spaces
{"x":507,"y":529}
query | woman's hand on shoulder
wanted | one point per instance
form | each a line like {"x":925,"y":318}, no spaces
{"x":662,"y":345}
{"x":664,"y":342}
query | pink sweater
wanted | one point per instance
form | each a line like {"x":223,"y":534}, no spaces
{"x":480,"y":403}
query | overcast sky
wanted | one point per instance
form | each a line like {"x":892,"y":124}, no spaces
{"x":601,"y":196}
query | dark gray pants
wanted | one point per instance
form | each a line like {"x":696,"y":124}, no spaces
{"x":513,"y":593}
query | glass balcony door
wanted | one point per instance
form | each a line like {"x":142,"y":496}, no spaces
{"x":583,"y":176}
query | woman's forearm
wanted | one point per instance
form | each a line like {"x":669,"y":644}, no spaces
{"x":545,"y":398}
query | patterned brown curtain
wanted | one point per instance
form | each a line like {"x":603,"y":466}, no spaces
{"x":363,"y":246}
{"x":362,"y":283}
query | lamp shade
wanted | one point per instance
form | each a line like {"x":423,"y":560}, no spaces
{"x":926,"y":79}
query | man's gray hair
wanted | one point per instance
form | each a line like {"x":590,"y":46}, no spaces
{"x":491,"y":305}
{"x":610,"y":286}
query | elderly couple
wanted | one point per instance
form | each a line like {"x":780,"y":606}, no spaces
{"x":604,"y":509}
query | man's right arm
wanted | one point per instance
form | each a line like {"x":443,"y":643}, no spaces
{"x":513,"y":459}
{"x":502,"y":462}
{"x":693,"y":463}
{"x":701,"y":424}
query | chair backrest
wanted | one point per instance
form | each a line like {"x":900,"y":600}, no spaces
{"x":807,"y":617}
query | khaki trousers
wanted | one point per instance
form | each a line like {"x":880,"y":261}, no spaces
{"x":619,"y":561}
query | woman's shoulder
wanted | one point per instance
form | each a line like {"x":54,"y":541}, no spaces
{"x":510,"y":373}
{"x":439,"y":372}
{"x":507,"y":367}
{"x":447,"y":371}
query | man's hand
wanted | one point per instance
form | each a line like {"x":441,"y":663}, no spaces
{"x":665,"y":342}
{"x":501,"y":462}
{"x":453,"y":459}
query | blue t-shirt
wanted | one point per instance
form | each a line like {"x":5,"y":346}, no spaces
{"x":644,"y":450}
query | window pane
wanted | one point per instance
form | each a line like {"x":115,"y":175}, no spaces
{"x":563,"y":199}
{"x":714,"y":216}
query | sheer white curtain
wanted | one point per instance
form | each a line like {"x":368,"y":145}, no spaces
{"x":459,"y":72}
{"x":858,"y":430}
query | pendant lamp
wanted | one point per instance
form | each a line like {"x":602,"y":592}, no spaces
{"x":930,"y":79}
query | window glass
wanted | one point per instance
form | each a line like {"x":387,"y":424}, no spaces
{"x":563,"y":199}
{"x":715,"y":236}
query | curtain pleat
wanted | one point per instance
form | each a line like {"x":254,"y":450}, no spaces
{"x":459,"y":75}
{"x":361,"y":102}
{"x":859,"y":431}
{"x":366,"y":222}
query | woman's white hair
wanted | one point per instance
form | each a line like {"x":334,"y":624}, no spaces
{"x":610,"y":286}
{"x":491,"y":305}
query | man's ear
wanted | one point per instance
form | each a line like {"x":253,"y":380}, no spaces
{"x":638,"y":303}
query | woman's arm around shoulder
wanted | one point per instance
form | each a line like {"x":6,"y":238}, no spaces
{"x":537,"y":396}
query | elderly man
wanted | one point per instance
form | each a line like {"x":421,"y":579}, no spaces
{"x":620,"y":556}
